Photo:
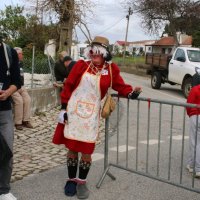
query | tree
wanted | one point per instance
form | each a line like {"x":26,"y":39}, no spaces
{"x":196,"y":39}
{"x":167,"y":30}
{"x":23,"y":30}
{"x":37,"y":33}
{"x":86,"y":32}
{"x":69,"y":13}
{"x":157,"y":13}
{"x":11,"y":22}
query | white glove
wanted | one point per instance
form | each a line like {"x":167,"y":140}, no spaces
{"x":61,"y":117}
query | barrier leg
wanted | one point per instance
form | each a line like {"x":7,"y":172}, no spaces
{"x":106,"y":172}
{"x":106,"y":166}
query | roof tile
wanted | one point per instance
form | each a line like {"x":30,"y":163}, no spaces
{"x":170,"y":41}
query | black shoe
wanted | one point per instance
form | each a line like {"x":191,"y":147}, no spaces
{"x":27,"y":124}
{"x":70,"y":188}
{"x":82,"y":191}
{"x":19,"y":127}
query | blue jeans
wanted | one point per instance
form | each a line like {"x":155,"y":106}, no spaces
{"x":6,"y":128}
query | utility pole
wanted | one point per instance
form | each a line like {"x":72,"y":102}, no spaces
{"x":130,"y":12}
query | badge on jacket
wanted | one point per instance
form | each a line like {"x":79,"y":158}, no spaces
{"x":104,"y":72}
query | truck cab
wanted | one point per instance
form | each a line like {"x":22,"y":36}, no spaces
{"x":182,"y":66}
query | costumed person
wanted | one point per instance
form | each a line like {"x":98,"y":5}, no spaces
{"x":194,"y":115}
{"x":85,"y":87}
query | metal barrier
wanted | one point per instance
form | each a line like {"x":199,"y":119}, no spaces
{"x":156,"y":133}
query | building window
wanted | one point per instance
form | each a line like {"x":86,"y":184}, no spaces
{"x":141,"y":49}
{"x":169,"y":50}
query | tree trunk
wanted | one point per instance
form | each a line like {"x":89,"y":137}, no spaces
{"x":66,"y":28}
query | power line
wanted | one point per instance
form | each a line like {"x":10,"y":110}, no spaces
{"x":111,"y":26}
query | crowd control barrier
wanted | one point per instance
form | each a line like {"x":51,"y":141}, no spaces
{"x":151,"y":138}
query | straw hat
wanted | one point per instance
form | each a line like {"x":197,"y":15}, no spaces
{"x":104,"y":42}
{"x":99,"y":45}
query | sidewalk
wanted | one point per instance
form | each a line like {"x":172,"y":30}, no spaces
{"x":34,"y":151}
{"x":40,"y":172}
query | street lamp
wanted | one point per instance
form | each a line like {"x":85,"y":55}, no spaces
{"x":130,"y":12}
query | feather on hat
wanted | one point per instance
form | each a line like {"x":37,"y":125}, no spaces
{"x":98,"y":46}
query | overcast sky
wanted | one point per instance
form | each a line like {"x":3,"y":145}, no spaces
{"x":109,"y":20}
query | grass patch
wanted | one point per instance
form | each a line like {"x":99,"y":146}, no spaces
{"x":128,"y":61}
{"x":133,"y":65}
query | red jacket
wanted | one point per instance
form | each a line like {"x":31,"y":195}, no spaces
{"x":80,"y":67}
{"x":194,"y":98}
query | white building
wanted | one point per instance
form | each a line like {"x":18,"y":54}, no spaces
{"x":137,"y":46}
{"x":119,"y":46}
{"x":143,"y":46}
{"x":77,"y":51}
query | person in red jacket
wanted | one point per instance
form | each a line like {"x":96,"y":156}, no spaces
{"x":85,"y":87}
{"x":194,"y":115}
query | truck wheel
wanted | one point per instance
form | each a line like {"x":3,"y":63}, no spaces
{"x":156,"y":79}
{"x":187,"y":86}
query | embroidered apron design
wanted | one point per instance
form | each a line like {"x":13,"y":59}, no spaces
{"x":83,"y":110}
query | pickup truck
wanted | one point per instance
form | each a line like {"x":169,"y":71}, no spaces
{"x":177,"y":68}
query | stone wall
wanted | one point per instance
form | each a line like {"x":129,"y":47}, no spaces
{"x":43,"y":99}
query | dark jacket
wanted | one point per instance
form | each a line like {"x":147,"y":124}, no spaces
{"x":9,"y":77}
{"x":60,"y":71}
{"x":21,"y":67}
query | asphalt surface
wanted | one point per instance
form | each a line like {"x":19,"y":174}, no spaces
{"x":49,"y":185}
{"x":45,"y":173}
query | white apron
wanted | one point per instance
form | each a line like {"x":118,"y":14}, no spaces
{"x":83,"y":110}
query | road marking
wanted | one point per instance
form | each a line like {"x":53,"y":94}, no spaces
{"x":151,"y":142}
{"x":122,"y":148}
{"x":97,"y":156}
{"x":179,"y":137}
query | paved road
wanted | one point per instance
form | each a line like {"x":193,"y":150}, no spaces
{"x":40,"y":171}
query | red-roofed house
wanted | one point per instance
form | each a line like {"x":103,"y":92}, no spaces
{"x":119,"y":46}
{"x":166,"y":44}
{"x":136,"y":46}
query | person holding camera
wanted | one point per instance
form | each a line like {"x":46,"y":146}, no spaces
{"x":9,"y":82}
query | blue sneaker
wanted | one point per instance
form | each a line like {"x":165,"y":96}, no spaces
{"x":70,"y":188}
